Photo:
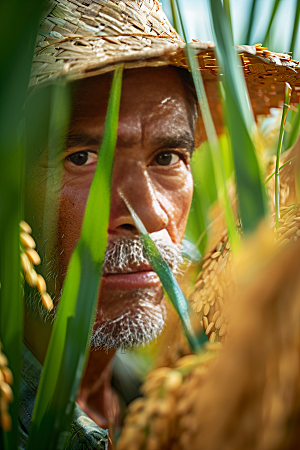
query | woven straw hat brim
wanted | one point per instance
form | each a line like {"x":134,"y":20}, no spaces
{"x":82,"y":38}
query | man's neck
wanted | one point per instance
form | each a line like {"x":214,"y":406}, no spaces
{"x":95,"y":396}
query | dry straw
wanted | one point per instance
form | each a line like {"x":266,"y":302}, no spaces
{"x":216,"y":283}
{"x":249,"y":396}
{"x":80,"y":38}
{"x":151,"y":421}
{"x":29,"y":258}
{"x":6,"y":394}
{"x":215,"y":286}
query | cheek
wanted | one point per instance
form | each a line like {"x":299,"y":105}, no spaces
{"x":71,"y":213}
{"x":176,"y":202}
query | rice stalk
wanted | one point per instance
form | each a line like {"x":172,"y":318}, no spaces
{"x":251,"y":22}
{"x":295,"y":29}
{"x":266,"y":38}
{"x":6,"y":393}
{"x":287,"y":97}
{"x":29,"y":258}
{"x":239,"y":117}
{"x":219,"y":171}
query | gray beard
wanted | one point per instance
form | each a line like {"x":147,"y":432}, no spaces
{"x":140,"y":324}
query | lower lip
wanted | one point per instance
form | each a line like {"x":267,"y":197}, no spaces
{"x":128,"y":281}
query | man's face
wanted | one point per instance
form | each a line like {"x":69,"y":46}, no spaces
{"x":151,"y":170}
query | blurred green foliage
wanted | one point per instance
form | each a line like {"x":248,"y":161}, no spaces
{"x":238,"y":159}
{"x":68,"y":349}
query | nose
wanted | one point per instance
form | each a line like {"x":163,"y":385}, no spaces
{"x":132,"y":182}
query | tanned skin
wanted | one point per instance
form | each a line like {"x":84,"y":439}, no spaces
{"x":151,"y":169}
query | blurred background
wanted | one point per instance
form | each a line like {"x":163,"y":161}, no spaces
{"x":250,"y":22}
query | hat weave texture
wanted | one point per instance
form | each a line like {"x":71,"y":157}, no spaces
{"x":82,"y":38}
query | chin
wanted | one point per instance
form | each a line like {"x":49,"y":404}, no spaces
{"x":128,"y":319}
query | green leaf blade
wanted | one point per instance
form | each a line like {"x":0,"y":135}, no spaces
{"x":67,"y":350}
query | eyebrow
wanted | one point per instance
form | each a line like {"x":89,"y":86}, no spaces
{"x":184,"y":140}
{"x":173,"y":140}
{"x":80,"y":139}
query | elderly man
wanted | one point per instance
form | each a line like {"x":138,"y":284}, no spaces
{"x":155,"y":141}
{"x":80,"y":42}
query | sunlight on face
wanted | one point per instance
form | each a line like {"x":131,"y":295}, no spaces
{"x":151,"y":169}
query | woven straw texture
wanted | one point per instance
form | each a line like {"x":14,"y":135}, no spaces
{"x":81,"y":38}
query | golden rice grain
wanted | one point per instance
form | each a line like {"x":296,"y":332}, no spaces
{"x":199,"y":284}
{"x":3,"y":359}
{"x":211,"y":297}
{"x":209,"y":328}
{"x":216,"y":316}
{"x":5,"y":421}
{"x":219,"y":246}
{"x":212,"y":338}
{"x":33,"y":256}
{"x":214,"y":280}
{"x":220,"y":322}
{"x":25,"y":227}
{"x":41,"y":284}
{"x":31,"y":277}
{"x":6,"y":392}
{"x":220,"y":291}
{"x":7,"y":375}
{"x":217,"y":305}
{"x":47,"y":302}
{"x":199,"y":277}
{"x":221,"y":303}
{"x":206,"y":309}
{"x":223,"y":329}
{"x":25,"y":263}
{"x":212,"y":264}
{"x":280,"y":230}
{"x":289,"y":233}
{"x":216,"y":255}
{"x":206,"y":264}
{"x":199,"y":306}
{"x":27,"y":240}
{"x":205,"y":322}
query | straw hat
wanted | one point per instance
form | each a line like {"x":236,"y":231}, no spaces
{"x":82,"y":38}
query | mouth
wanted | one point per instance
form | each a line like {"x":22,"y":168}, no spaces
{"x":143,"y":278}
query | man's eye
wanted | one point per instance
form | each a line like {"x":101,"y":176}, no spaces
{"x":82,"y":158}
{"x":167,"y":159}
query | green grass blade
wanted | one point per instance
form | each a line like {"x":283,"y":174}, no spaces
{"x":67,"y":350}
{"x":251,"y":22}
{"x":18,"y":29}
{"x":241,"y":125}
{"x":175,"y":18}
{"x":168,"y":281}
{"x":295,"y":28}
{"x":287,"y":97}
{"x":228,"y":12}
{"x":219,"y":171}
{"x":273,"y":14}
